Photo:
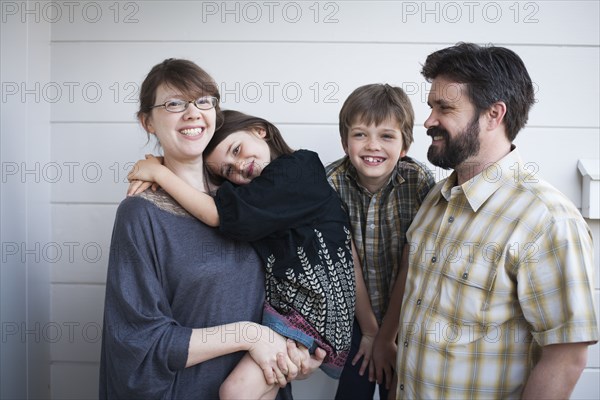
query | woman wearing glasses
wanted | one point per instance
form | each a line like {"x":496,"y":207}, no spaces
{"x":182,"y":301}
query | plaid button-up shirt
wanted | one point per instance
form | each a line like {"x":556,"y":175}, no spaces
{"x":499,"y":267}
{"x":380,"y":220}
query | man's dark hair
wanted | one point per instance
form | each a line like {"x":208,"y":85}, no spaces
{"x":491,"y":74}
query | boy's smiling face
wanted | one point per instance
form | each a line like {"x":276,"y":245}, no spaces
{"x":374,"y":150}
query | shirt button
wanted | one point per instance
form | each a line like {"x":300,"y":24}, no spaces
{"x":419,"y":302}
{"x":433,"y":259}
{"x":451,"y":219}
{"x":465,"y":275}
{"x":401,"y":386}
{"x":372,"y":226}
{"x":406,"y":344}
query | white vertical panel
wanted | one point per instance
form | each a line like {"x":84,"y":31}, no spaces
{"x":25,"y":205}
{"x":13,"y":230}
{"x":38,"y":210}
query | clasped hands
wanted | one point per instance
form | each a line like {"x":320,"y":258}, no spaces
{"x":297,"y":363}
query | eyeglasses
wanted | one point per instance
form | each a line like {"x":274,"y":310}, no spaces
{"x":202,"y":103}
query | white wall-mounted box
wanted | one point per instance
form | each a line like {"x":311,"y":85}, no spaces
{"x":590,"y":193}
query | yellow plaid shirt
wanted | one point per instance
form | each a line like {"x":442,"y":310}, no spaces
{"x":380,"y":220}
{"x":498,"y":267}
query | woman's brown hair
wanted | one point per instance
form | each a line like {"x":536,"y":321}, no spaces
{"x":180,"y":74}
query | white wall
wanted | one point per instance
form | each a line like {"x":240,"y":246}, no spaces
{"x":25,"y":228}
{"x":70,"y":74}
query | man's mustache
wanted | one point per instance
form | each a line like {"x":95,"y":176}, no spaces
{"x":437,"y":131}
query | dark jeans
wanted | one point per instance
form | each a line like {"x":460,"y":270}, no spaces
{"x":352,"y":386}
{"x":285,"y":393}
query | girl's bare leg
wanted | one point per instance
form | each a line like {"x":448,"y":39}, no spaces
{"x":247,"y":381}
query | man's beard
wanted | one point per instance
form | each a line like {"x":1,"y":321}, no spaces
{"x":454,"y":151}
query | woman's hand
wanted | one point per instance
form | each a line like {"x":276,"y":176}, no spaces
{"x":299,"y":355}
{"x":266,"y":349}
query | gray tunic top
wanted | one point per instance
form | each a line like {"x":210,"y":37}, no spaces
{"x":169,"y":273}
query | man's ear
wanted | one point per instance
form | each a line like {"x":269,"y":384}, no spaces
{"x":495,"y":115}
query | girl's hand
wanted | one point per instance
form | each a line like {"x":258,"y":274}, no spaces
{"x":137,"y":187}
{"x":265,"y":350}
{"x":384,"y":358}
{"x":144,"y":170}
{"x":365,"y":350}
{"x":142,"y":175}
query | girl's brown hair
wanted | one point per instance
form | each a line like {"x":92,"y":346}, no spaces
{"x":235,"y":121}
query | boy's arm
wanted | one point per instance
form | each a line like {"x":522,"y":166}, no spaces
{"x":366,"y":320}
{"x":385,"y":347}
{"x":197,"y":203}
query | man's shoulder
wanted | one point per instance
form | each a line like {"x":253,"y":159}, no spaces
{"x":547,"y":196}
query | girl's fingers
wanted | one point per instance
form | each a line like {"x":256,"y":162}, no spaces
{"x":133,"y":187}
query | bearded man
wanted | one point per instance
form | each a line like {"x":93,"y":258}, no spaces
{"x":498,"y":301}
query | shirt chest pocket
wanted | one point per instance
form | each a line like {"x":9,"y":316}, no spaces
{"x":465,"y":291}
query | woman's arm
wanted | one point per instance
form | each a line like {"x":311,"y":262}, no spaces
{"x":366,"y":320}
{"x":264,"y":345}
{"x":197,"y":203}
{"x":282,"y":360}
{"x":143,"y":345}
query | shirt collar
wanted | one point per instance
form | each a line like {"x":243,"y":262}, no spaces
{"x":479,"y":188}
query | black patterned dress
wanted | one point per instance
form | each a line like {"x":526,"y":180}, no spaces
{"x":296,"y":222}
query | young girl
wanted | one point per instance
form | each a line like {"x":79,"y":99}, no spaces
{"x":280,"y":201}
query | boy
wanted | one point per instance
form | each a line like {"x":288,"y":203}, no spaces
{"x":382,"y":190}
